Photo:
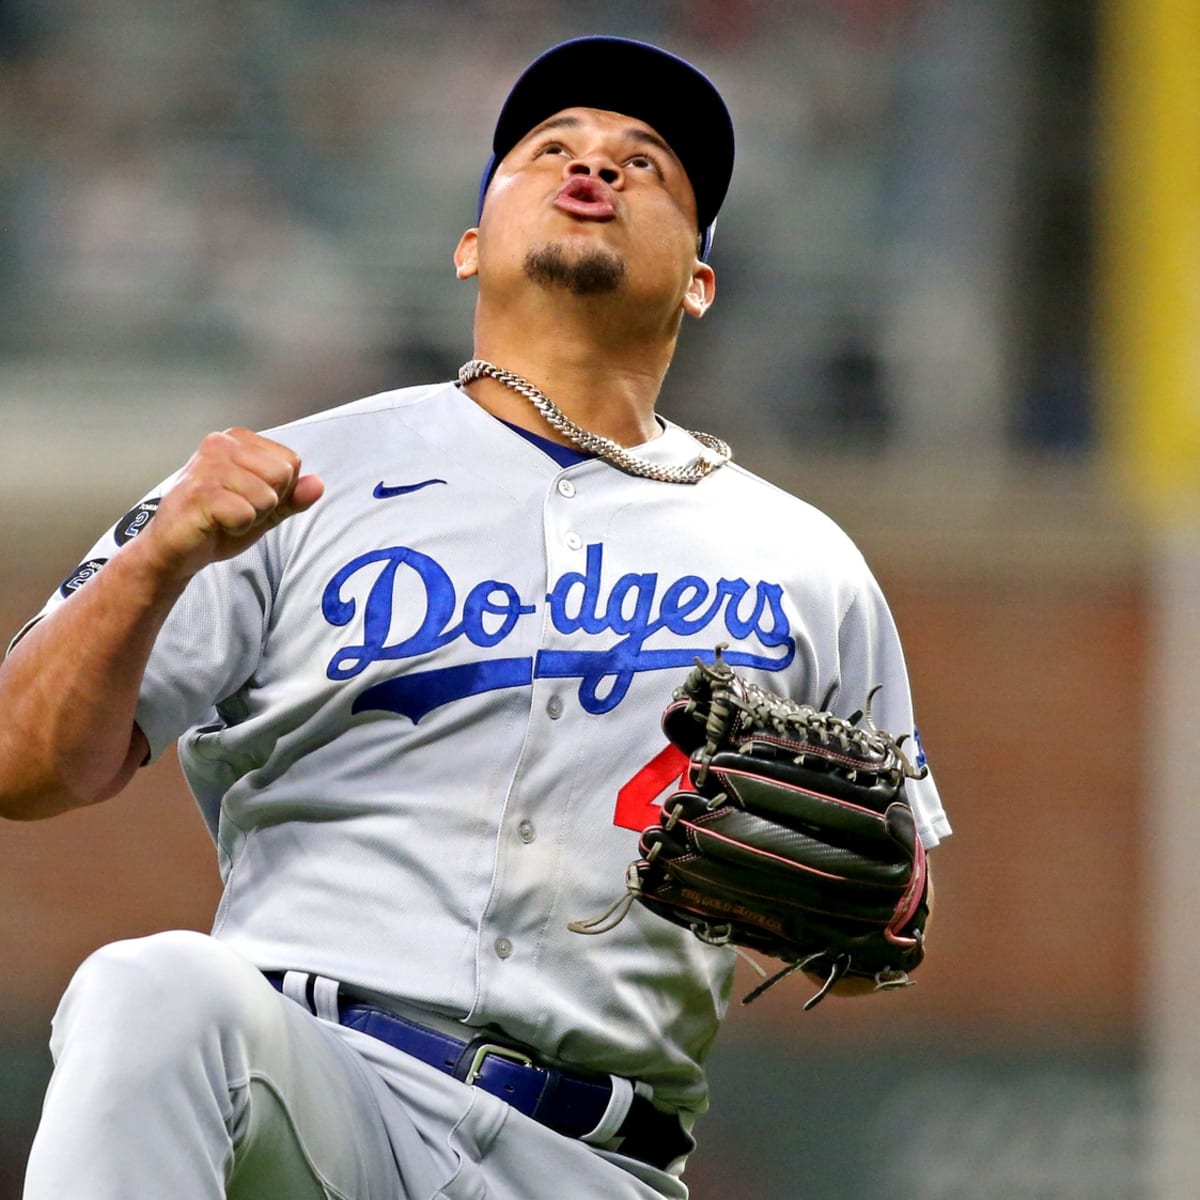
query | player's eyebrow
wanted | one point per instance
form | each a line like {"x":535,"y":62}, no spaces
{"x":559,"y":122}
{"x":636,"y":133}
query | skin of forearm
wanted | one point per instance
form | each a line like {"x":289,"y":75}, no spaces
{"x":69,"y":691}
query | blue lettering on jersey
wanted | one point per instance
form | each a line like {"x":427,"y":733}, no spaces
{"x":635,"y":607}
{"x":920,"y":762}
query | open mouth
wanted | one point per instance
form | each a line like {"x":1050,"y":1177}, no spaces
{"x":586,"y":197}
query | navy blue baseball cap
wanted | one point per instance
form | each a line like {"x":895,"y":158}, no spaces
{"x":621,"y":75}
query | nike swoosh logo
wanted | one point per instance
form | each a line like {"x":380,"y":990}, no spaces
{"x":383,"y":492}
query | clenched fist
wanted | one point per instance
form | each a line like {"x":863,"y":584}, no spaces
{"x":235,"y":487}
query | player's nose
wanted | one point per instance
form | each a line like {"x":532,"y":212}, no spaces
{"x":597,"y":163}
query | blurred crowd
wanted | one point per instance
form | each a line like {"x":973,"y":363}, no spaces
{"x":274,"y":187}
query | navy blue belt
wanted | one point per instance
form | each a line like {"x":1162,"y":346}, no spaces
{"x":570,"y":1104}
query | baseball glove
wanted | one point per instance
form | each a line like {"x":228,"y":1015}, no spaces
{"x":794,"y":838}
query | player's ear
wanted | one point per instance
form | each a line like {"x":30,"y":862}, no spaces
{"x":701,"y":292}
{"x":466,"y":255}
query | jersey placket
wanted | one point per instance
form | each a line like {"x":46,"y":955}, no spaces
{"x":533,"y":825}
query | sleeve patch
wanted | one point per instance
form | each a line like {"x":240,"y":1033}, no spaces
{"x":135,"y":520}
{"x":80,"y":576}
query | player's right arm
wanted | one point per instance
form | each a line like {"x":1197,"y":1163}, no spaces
{"x":69,"y":688}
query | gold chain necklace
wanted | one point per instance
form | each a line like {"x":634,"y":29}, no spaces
{"x":593,"y":443}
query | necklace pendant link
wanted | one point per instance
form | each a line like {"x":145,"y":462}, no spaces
{"x":602,"y":447}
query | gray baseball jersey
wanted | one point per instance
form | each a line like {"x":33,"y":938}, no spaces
{"x":421,"y":719}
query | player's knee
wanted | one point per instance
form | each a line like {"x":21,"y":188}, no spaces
{"x":155,"y":992}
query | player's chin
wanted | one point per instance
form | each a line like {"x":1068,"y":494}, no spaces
{"x":580,"y":267}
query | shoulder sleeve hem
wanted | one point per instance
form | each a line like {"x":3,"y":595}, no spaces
{"x":157,"y":737}
{"x":22,"y":632}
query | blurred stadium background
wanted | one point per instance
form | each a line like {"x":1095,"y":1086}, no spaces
{"x":959,"y":287}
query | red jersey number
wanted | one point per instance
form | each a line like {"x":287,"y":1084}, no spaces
{"x":639,"y":801}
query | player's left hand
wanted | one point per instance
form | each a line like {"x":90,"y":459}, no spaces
{"x":796,"y":841}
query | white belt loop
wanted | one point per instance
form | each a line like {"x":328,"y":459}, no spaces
{"x":295,"y":987}
{"x":325,"y":998}
{"x":614,"y":1114}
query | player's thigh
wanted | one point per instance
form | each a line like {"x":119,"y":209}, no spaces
{"x":181,"y":1017}
{"x":310,"y":1124}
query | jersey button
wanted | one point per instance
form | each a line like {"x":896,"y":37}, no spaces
{"x":526,"y":831}
{"x":554,"y":706}
{"x":574,"y":541}
{"x":503,"y":947}
{"x":566,"y":488}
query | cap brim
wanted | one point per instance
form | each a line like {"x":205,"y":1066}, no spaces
{"x":621,"y":75}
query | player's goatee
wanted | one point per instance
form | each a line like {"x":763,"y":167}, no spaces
{"x":594,"y":273}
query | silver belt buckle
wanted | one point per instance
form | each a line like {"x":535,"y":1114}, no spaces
{"x":489,"y":1049}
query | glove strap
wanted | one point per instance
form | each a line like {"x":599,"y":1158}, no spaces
{"x":616,"y":912}
{"x":774,"y":979}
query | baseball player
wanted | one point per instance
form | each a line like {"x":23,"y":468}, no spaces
{"x":414,"y":651}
